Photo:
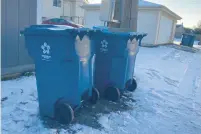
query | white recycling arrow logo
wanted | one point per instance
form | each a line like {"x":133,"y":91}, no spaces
{"x":46,"y":48}
{"x":104,"y":46}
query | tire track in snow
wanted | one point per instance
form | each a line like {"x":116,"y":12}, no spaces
{"x":178,"y":55}
{"x":171,"y":82}
{"x":154,"y":74}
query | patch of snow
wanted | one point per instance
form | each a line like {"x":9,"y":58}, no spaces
{"x":197,"y":46}
{"x":167,"y":100}
{"x":177,"y":41}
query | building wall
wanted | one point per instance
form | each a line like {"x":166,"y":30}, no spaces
{"x":179,"y":31}
{"x":39,"y":11}
{"x":70,"y":9}
{"x":173,"y":31}
{"x":50,"y":11}
{"x":147,"y":23}
{"x":174,"y":23}
{"x":198,"y":37}
{"x":67,"y":8}
{"x":91,"y":18}
{"x":16,"y":15}
{"x":166,"y":29}
{"x":79,"y":11}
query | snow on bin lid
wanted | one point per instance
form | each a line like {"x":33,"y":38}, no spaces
{"x":60,"y":27}
{"x":45,"y":29}
{"x":114,"y":30}
{"x":120,"y":31}
{"x":53,"y":29}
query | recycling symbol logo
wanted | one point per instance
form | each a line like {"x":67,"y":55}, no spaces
{"x":46,"y":48}
{"x":104,"y":46}
{"x":46,"y":52}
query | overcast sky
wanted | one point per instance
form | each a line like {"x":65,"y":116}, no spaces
{"x":189,"y":10}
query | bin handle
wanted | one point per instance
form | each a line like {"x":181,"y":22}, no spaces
{"x":21,"y":33}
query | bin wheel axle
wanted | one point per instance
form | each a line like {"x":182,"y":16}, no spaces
{"x":64,"y":113}
{"x":95,"y":96}
{"x":112,"y":94}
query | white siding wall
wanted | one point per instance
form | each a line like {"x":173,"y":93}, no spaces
{"x":50,"y":11}
{"x":91,"y":18}
{"x":165,"y":29}
{"x":173,"y":31}
{"x":147,"y":23}
{"x":68,"y":8}
{"x":73,"y":8}
{"x":79,"y":11}
{"x":39,"y":12}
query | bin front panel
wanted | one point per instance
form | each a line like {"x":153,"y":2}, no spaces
{"x":185,"y":40}
{"x":118,"y":71}
{"x":49,"y":48}
{"x":188,"y":40}
{"x":60,"y":73}
{"x":54,"y":81}
{"x":85,"y":53}
{"x":57,"y":71}
{"x":114,"y":63}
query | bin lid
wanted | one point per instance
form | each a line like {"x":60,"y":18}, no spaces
{"x":54,"y":29}
{"x":188,"y":34}
{"x":120,"y":31}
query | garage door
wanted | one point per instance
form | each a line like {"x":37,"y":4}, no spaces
{"x":147,"y":23}
{"x":165,"y":30}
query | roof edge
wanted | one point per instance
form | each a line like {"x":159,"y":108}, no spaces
{"x":160,"y":7}
{"x":163,"y":8}
{"x":171,"y":13}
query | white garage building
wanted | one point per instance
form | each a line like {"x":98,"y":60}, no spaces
{"x":156,"y":20}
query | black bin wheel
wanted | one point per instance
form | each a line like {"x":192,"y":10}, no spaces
{"x":64,"y":113}
{"x":95,"y":96}
{"x":131,"y":85}
{"x":112,"y":94}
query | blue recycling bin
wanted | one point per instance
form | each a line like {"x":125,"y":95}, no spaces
{"x":188,"y":40}
{"x":115,"y":60}
{"x":64,"y":61}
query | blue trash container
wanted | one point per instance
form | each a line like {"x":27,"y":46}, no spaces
{"x":64,"y":61}
{"x":188,"y":40}
{"x":115,"y":61}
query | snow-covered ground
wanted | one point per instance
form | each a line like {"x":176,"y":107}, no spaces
{"x":167,"y":100}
